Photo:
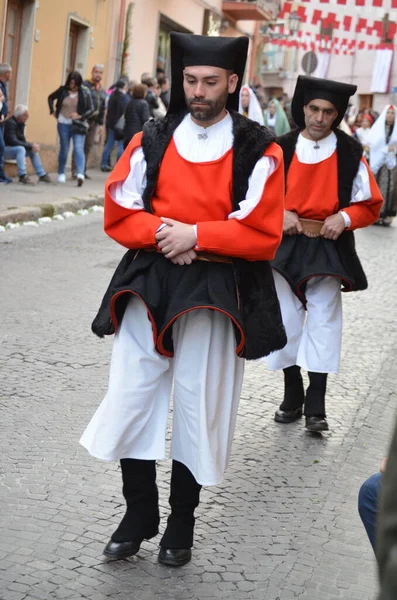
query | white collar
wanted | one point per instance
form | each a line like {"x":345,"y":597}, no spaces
{"x":326,"y":142}
{"x":207,"y":132}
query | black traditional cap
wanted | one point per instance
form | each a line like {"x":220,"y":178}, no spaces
{"x":188,"y":50}
{"x":311,"y":88}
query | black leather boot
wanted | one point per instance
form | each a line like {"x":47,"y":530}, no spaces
{"x":176,"y":543}
{"x":294,"y":396}
{"x":316,"y":420}
{"x":141,"y":519}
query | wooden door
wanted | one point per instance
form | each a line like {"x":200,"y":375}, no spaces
{"x":12,"y":39}
{"x":72,"y":48}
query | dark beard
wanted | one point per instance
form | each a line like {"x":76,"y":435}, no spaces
{"x":209,"y":110}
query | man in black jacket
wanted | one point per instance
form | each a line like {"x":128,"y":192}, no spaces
{"x":18,"y":148}
{"x":95,"y":122}
{"x":115,"y":110}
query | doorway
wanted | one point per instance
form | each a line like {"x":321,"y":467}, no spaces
{"x":12,"y":39}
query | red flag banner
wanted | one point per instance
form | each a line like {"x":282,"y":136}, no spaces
{"x":347,"y":23}
{"x":377,"y":2}
{"x":394,"y":3}
{"x":360,"y":2}
{"x":344,"y":1}
{"x":317,"y":14}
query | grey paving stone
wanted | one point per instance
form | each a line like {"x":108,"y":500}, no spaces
{"x":284,"y":522}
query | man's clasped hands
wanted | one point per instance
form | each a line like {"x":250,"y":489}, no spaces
{"x":176,"y":241}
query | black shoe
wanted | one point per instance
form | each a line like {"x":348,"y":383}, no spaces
{"x":287,"y":416}
{"x":174,"y":557}
{"x":106,"y":169}
{"x":80,"y":180}
{"x":46,"y":178}
{"x":316,"y":424}
{"x":117,"y":550}
{"x":25,"y":179}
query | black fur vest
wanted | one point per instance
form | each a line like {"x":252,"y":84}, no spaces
{"x":349,"y":154}
{"x":258,"y":303}
{"x":259,"y":306}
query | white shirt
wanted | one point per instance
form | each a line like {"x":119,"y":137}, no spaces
{"x":196,"y":144}
{"x":308,"y":154}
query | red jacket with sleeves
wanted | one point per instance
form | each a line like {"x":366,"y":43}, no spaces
{"x":200,"y":194}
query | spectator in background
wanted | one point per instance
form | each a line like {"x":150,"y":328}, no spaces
{"x":165,"y":91}
{"x":249,"y":105}
{"x":161,"y":111}
{"x":386,"y":535}
{"x":382,"y":140}
{"x":95,"y":122}
{"x":73,"y":108}
{"x":276,"y":119}
{"x":363,"y":133}
{"x":368,"y":502}
{"x":115,"y":111}
{"x":136,"y":113}
{"x":5,"y":76}
{"x":18,"y":148}
{"x":151,"y":95}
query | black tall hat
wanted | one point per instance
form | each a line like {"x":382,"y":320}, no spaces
{"x":311,"y":88}
{"x":188,"y":50}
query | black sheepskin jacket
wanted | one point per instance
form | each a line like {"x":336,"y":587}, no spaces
{"x":259,"y":306}
{"x":349,"y":154}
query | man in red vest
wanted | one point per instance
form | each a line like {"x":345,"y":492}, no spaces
{"x":330,"y":191}
{"x":198,"y":200}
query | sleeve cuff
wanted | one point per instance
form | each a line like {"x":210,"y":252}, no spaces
{"x":346,"y":218}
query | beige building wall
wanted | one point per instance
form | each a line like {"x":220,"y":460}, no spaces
{"x":188,"y":14}
{"x":49,"y":55}
{"x":44,"y":54}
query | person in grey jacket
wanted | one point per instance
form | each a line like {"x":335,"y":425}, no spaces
{"x":136,"y":113}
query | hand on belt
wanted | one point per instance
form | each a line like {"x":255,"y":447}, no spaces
{"x":311,"y":228}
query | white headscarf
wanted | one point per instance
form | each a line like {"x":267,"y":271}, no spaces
{"x":379,"y":147}
{"x":255,"y":112}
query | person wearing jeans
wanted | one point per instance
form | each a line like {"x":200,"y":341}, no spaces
{"x":116,"y":108}
{"x":19,"y":153}
{"x":368,"y":502}
{"x":74,"y":107}
{"x":18,"y":148}
{"x":65,"y":136}
{"x":110,"y":141}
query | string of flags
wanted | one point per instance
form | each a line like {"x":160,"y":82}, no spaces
{"x":346,"y":23}
{"x":325,"y":44}
{"x":342,"y":27}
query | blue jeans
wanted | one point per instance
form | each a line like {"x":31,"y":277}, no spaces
{"x":65,"y":135}
{"x":368,"y":500}
{"x":111,"y":140}
{"x":19,"y":153}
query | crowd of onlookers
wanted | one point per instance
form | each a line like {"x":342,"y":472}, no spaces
{"x":85,"y":112}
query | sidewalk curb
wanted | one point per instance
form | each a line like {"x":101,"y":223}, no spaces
{"x":32,"y":213}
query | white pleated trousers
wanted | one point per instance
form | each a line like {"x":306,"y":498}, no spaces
{"x":314,"y":335}
{"x":131,"y":420}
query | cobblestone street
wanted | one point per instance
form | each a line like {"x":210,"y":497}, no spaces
{"x":284,"y":523}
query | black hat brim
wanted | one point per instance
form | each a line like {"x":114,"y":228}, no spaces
{"x":222,"y":52}
{"x":334,"y":91}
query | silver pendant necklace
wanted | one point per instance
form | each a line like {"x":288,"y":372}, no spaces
{"x":202,"y":136}
{"x":316,"y":147}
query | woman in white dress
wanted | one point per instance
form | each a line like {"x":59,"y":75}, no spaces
{"x":250,"y":106}
{"x":382,"y":140}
